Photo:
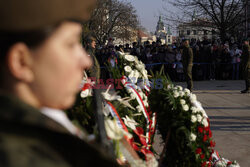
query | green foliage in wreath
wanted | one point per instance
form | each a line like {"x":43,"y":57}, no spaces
{"x":183,"y":126}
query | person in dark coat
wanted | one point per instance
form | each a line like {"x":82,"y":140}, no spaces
{"x":246,"y":65}
{"x":41,"y":65}
{"x":187,"y":62}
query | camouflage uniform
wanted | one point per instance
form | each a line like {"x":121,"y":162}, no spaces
{"x":187,"y":62}
{"x":29,"y":138}
{"x":246,"y":65}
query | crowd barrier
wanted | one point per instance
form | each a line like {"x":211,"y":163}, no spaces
{"x":201,"y":71}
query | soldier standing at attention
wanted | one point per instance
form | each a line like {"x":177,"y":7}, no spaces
{"x":41,"y":65}
{"x":246,"y":65}
{"x":94,"y":72}
{"x":187,"y":62}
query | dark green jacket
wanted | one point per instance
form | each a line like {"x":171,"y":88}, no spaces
{"x":187,"y":56}
{"x":94,"y":71}
{"x":30,"y":139}
{"x":245,"y":58}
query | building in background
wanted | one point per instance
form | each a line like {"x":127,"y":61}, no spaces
{"x":165,"y":36}
{"x":197,"y":29}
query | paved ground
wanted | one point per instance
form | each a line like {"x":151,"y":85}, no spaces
{"x":229,"y":113}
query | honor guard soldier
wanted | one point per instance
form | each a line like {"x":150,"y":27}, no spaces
{"x":187,"y":62}
{"x":94,"y":72}
{"x":245,"y":59}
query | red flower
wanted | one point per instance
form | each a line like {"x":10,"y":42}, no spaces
{"x":204,"y":138}
{"x":210,"y":133}
{"x":198,"y":150}
{"x":212,"y":144}
{"x":209,"y":164}
{"x":207,"y":128}
{"x":210,"y":158}
{"x":203,"y":164}
{"x":229,"y":163}
{"x":202,"y":156}
{"x":200,"y":129}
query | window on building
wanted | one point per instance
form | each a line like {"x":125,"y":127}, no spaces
{"x":188,"y":32}
{"x":205,"y":32}
{"x":195,"y":32}
{"x":169,"y":40}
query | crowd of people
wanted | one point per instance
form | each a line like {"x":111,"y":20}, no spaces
{"x":212,"y":60}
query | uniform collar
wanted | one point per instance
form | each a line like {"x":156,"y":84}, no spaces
{"x":13,"y":110}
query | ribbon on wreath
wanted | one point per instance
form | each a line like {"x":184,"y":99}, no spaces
{"x":121,"y":124}
{"x":129,"y":85}
{"x":216,"y":157}
{"x":87,"y":86}
{"x":115,"y":114}
{"x":153,"y":123}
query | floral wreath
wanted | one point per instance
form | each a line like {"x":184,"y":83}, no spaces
{"x":131,"y":111}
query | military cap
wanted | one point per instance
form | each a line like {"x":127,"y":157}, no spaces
{"x":185,"y":39}
{"x":245,"y":39}
{"x":25,"y":15}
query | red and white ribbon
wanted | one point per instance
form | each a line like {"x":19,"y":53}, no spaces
{"x":131,"y":86}
{"x":115,"y":114}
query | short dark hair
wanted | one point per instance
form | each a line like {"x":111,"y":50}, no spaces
{"x":31,"y":38}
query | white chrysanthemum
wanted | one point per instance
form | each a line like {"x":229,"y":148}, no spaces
{"x":194,"y":110}
{"x":199,"y":118}
{"x":193,"y":119}
{"x":187,"y":91}
{"x":176,"y":94}
{"x":193,"y":98}
{"x":182,"y":93}
{"x":179,"y":88}
{"x":182,"y":101}
{"x":203,"y":112}
{"x":204,"y":122}
{"x":128,"y":69}
{"x":199,"y":111}
{"x":192,"y":137}
{"x":129,"y":58}
{"x":138,"y":108}
{"x":130,"y":122}
{"x":185,"y":107}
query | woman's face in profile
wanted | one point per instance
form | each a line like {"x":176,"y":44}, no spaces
{"x":58,"y":67}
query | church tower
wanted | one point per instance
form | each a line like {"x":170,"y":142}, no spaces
{"x":160,"y":25}
{"x":165,"y":36}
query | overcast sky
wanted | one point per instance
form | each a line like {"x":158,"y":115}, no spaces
{"x":148,"y":12}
